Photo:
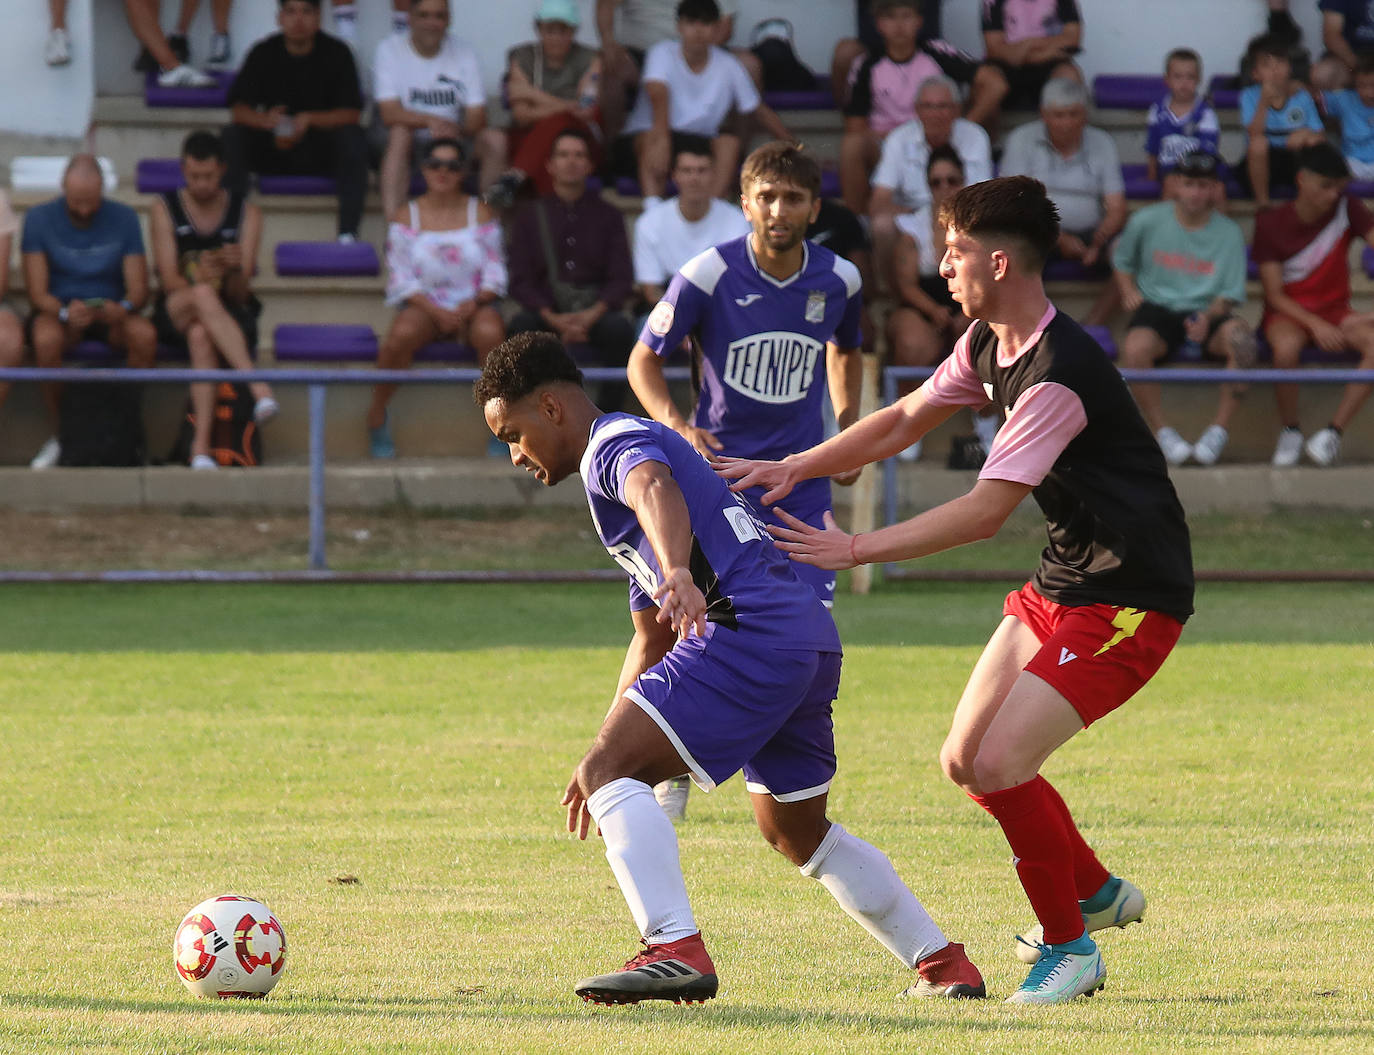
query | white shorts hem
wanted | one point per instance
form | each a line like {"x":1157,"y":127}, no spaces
{"x":698,"y":774}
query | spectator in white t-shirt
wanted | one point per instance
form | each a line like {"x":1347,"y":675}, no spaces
{"x":691,"y":86}
{"x":670,"y":233}
{"x":428,"y":85}
{"x":899,"y":182}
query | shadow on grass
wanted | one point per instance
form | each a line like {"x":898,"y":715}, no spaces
{"x":496,"y":1006}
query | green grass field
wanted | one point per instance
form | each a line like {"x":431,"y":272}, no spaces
{"x":164,"y":744}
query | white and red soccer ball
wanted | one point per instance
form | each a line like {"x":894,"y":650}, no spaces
{"x":230,"y":946}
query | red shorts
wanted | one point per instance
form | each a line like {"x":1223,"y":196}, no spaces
{"x":1097,"y":656}
{"x":1332,"y":313}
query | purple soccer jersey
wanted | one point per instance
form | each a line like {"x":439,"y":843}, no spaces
{"x":749,"y":586}
{"x":763,"y":358}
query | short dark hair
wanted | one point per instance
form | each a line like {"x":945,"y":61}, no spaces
{"x":782,"y":161}
{"x":1270,"y":44}
{"x":203,"y":146}
{"x":1323,"y":159}
{"x":697,"y":146}
{"x":572,"y":133}
{"x":445,"y":141}
{"x":1183,"y":55}
{"x":520,"y":364}
{"x":1009,"y":207}
{"x":313,"y":3}
{"x":945,"y":152}
{"x":698,"y":11}
{"x":882,"y":7}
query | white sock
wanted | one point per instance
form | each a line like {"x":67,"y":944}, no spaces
{"x":863,"y":881}
{"x":642,"y":849}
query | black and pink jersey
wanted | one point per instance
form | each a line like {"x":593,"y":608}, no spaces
{"x":1117,"y":533}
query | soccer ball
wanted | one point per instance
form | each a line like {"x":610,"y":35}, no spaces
{"x":230,"y":946}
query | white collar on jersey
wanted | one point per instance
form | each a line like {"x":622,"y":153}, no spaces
{"x":781,"y":283}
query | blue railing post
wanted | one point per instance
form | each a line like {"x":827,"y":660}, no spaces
{"x":317,"y":561}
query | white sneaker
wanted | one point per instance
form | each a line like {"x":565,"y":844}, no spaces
{"x":1288,"y":450}
{"x":1058,"y":977}
{"x":672,"y":796}
{"x":203,"y":463}
{"x":47,"y":455}
{"x":59,"y":48}
{"x":265,"y":409}
{"x":1176,"y":449}
{"x":1128,"y":906}
{"x":347,"y":239}
{"x":220,"y":51}
{"x":1324,"y":447}
{"x":184,"y":76}
{"x":1210,"y":444}
{"x":911,"y":454}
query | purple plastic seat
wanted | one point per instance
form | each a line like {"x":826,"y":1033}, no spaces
{"x":446,"y":352}
{"x":324,"y":343}
{"x":1224,"y":91}
{"x":326,"y":258}
{"x":1310,"y":355}
{"x":297,"y":185}
{"x":158,"y":175}
{"x":818,"y":98}
{"x":1102,"y":336}
{"x":1127,"y":91}
{"x":101,"y":353}
{"x":217,"y":95}
{"x":1139,"y":186}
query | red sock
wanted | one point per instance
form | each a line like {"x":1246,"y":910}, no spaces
{"x":1088,"y":873}
{"x":1044,"y":855}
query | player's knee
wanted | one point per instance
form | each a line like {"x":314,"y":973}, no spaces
{"x":996,"y":767}
{"x":796,"y":842}
{"x":957,"y":764}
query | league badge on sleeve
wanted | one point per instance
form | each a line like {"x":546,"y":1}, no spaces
{"x":815,"y":306}
{"x":661,"y":318}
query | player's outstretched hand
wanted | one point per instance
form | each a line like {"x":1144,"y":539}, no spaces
{"x":680,"y":604}
{"x":826,"y":548}
{"x":744,"y":473}
{"x":702,"y":439}
{"x":579,"y":820}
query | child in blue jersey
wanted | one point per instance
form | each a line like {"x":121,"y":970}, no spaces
{"x":1180,"y":123}
{"x":1280,"y":118}
{"x":733,"y":665}
{"x":1355,"y":109}
{"x":777,"y":320}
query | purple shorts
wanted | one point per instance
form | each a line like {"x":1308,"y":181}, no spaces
{"x":730,"y":702}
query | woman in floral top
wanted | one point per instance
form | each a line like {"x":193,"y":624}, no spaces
{"x":446,"y":269}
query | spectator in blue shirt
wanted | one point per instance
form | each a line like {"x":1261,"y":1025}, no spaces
{"x":1347,"y":33}
{"x":87,"y":279}
{"x":1355,"y":110}
{"x":1183,"y":121}
{"x":1280,"y":118}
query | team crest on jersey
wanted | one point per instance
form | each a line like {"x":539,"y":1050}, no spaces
{"x":815,"y":306}
{"x":661,"y":318}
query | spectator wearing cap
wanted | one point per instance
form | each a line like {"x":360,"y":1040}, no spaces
{"x":689,"y":87}
{"x":445,"y":271}
{"x":428,"y":85}
{"x":1180,"y":267}
{"x":552,"y":83}
{"x":295,"y":108}
{"x":1081,"y":171}
{"x":86,"y":277}
{"x":1303,"y":250}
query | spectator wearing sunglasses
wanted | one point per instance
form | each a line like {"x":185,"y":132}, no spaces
{"x":445,"y":272}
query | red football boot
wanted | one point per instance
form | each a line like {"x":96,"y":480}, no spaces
{"x":948,"y":973}
{"x":680,"y":971}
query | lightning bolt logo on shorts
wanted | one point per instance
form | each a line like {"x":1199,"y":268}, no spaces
{"x":1127,"y":621}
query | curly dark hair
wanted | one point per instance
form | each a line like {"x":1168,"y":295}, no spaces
{"x":516,"y":367}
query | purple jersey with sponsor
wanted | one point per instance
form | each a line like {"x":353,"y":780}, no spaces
{"x":748,"y":584}
{"x":763,"y":350}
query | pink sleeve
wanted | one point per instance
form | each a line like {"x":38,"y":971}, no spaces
{"x":955,"y":382}
{"x":1043,"y":422}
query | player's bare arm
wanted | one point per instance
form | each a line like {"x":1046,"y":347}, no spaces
{"x":645,"y":371}
{"x":880,"y":435}
{"x":970,"y":518}
{"x":844,"y":374}
{"x":662,"y":512}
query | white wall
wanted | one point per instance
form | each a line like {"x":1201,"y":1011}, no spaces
{"x":37,"y":99}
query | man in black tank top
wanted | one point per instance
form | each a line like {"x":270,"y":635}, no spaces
{"x":1114,"y":585}
{"x":205,"y":242}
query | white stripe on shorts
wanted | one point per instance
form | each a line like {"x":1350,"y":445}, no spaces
{"x":698,"y":774}
{"x":792,"y":796}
